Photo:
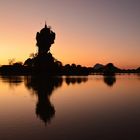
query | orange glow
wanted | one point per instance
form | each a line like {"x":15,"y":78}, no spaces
{"x":90,"y":33}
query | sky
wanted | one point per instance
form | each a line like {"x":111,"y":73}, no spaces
{"x":87,"y":31}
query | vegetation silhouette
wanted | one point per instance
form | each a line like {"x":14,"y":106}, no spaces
{"x":43,"y":62}
{"x":109,"y":80}
{"x":138,"y":70}
{"x":74,"y":69}
{"x":43,"y":88}
{"x":108,"y":69}
{"x":14,"y":69}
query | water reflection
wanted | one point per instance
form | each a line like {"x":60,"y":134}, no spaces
{"x":12,"y":80}
{"x":109,"y":80}
{"x":75,"y":80}
{"x":43,"y":87}
{"x":138,"y":74}
{"x":106,"y":116}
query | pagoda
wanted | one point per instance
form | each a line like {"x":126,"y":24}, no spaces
{"x":45,"y":38}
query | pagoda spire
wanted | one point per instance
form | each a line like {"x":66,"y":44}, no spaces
{"x":45,"y":24}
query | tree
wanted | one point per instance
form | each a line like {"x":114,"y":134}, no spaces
{"x":11,"y":61}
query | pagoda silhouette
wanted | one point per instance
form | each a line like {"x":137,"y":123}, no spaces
{"x":45,"y":38}
{"x":44,"y":62}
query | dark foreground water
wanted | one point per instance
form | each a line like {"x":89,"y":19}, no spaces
{"x":70,"y":108}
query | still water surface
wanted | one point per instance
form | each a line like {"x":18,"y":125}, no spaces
{"x":70,"y":108}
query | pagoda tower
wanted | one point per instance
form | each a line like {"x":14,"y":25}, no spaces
{"x":45,"y":38}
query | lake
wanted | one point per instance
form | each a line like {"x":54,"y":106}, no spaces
{"x":70,"y":108}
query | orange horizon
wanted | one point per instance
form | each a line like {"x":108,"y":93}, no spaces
{"x":93,"y":32}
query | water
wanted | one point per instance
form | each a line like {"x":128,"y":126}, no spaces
{"x":70,"y":108}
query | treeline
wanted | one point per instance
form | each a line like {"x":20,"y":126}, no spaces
{"x":110,"y":68}
{"x":57,"y":68}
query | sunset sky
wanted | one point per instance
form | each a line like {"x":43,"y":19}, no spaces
{"x":87,"y":31}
